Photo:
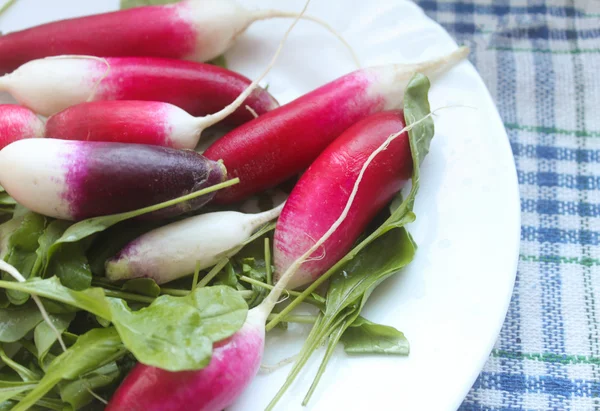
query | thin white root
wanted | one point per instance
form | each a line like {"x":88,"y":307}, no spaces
{"x":267,"y":369}
{"x":270,"y":301}
{"x":251,"y":110}
{"x":269,"y":14}
{"x":84,"y":57}
{"x":212,"y":119}
{"x":4,"y":266}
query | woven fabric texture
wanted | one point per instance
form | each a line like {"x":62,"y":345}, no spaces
{"x":541,"y":62}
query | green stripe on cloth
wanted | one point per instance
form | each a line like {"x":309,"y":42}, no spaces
{"x":551,"y":358}
{"x":552,"y":130}
{"x":585,"y":261}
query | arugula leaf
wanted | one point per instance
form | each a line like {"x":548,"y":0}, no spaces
{"x":70,"y":265}
{"x":177,"y":333}
{"x":15,"y":323}
{"x":92,"y":350}
{"x":350,"y":289}
{"x":77,"y":393}
{"x":91,"y":300}
{"x":127,"y":4}
{"x":143,"y":286}
{"x":52,"y":233}
{"x":22,"y":246}
{"x":25,"y":373}
{"x":365,"y":337}
{"x":9,"y":389}
{"x":219,"y":61}
{"x":44,"y":337}
{"x":6,"y":200}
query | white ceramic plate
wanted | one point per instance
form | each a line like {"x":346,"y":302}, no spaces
{"x":451,"y":301}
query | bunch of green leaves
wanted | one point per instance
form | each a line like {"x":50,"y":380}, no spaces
{"x":172,"y":332}
{"x":377,"y":257}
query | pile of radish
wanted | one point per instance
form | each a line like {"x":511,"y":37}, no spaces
{"x":131,"y":277}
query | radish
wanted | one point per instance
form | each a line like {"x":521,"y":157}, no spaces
{"x":74,"y":180}
{"x":197,"y":30}
{"x":279,"y":144}
{"x":145,"y":122}
{"x":236,"y":360}
{"x":17,"y":123}
{"x":329,"y":181}
{"x":175,"y":250}
{"x":50,"y":85}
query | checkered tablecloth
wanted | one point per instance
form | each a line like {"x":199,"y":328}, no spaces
{"x":541,"y":61}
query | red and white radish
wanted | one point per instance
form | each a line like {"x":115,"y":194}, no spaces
{"x":74,"y":180}
{"x":145,"y":122}
{"x":175,"y":250}
{"x":197,"y":30}
{"x":17,"y":123}
{"x":236,"y":360}
{"x":279,"y":144}
{"x":50,"y":85}
{"x":329,"y":180}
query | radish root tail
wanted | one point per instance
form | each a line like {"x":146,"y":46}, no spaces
{"x":269,"y":14}
{"x":212,"y":119}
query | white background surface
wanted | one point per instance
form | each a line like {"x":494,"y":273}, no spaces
{"x":451,"y":301}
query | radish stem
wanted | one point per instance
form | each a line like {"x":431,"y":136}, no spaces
{"x":268,"y":261}
{"x":220,"y":115}
{"x":213,"y":272}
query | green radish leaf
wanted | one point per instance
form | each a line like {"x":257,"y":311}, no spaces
{"x":71,"y":266}
{"x":91,"y":300}
{"x":177,"y":333}
{"x":77,"y":393}
{"x":86,"y":228}
{"x":9,"y":389}
{"x":26,"y":374}
{"x":52,"y":233}
{"x":22,"y":246}
{"x":16,"y":322}
{"x":6,"y":200}
{"x":349,"y":290}
{"x":219,"y":61}
{"x":365,"y":337}
{"x":44,"y":337}
{"x":127,"y":4}
{"x":92,"y":350}
{"x":143,"y":286}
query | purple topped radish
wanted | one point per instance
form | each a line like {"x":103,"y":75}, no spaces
{"x":74,"y":180}
{"x":17,"y":123}
{"x":197,"y":30}
{"x":50,"y":85}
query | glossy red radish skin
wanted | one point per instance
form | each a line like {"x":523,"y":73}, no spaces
{"x":74,"y":180}
{"x":197,"y":30}
{"x":234,"y":363}
{"x":50,"y":85}
{"x":329,"y":181}
{"x":279,"y":144}
{"x":17,"y":122}
{"x":155,"y":123}
{"x":137,"y":122}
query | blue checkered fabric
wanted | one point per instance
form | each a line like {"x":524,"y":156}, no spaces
{"x":541,"y":61}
